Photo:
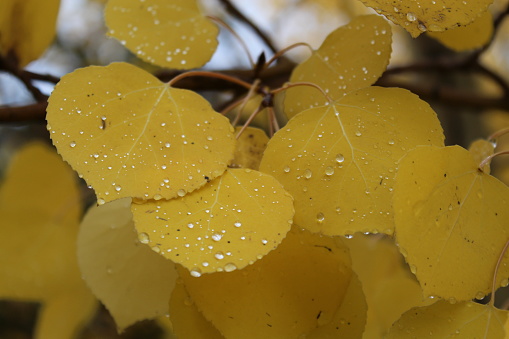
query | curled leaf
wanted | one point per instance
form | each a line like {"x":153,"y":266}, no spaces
{"x":339,"y":161}
{"x":452,"y":222}
{"x":333,"y":68}
{"x":130,"y":135}
{"x":132,"y":281}
{"x":226,"y":225}
{"x":168,"y":33}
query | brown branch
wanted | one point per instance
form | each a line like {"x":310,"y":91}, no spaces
{"x":33,"y":112}
{"x":237,"y":14}
{"x":10,"y":65}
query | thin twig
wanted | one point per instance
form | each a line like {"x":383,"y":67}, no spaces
{"x":237,"y":14}
{"x":210,"y":75}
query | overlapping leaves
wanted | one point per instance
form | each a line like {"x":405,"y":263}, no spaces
{"x":332,"y":67}
{"x":452,"y":222}
{"x":130,"y":135}
{"x":339,"y":161}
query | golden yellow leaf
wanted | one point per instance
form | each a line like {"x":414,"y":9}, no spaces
{"x":446,"y":320}
{"x":292,"y":290}
{"x":132,"y":281}
{"x":27,"y":27}
{"x":452,"y":222}
{"x":473,"y":35}
{"x":350,"y":318}
{"x":339,"y":161}
{"x":167,"y":33}
{"x":39,"y":211}
{"x":482,"y":149}
{"x":187,"y":319}
{"x":389,"y":286}
{"x":333,"y":68}
{"x":130,"y":135}
{"x":249,"y":148}
{"x":226,"y":225}
{"x":419,"y":16}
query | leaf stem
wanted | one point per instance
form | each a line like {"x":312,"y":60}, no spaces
{"x":493,"y":138}
{"x":487,"y":160}
{"x":286,"y":49}
{"x":295,"y":84}
{"x":249,"y":120}
{"x":239,"y":39}
{"x":210,"y":75}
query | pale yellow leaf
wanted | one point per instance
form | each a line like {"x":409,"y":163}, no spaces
{"x":292,"y":290}
{"x":249,"y":148}
{"x":168,"y":33}
{"x":352,"y":57}
{"x":226,"y":225}
{"x":132,"y":281}
{"x":339,"y":161}
{"x":473,"y":35}
{"x":452,"y":222}
{"x":27,"y":27}
{"x":467,"y":320}
{"x":419,"y":16}
{"x":130,"y":135}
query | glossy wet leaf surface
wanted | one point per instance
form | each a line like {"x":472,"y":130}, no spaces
{"x":339,"y":161}
{"x":352,"y":57}
{"x":168,"y":33}
{"x":420,"y":16}
{"x":130,"y":135}
{"x":132,"y":281}
{"x":39,"y":216}
{"x":446,"y":320}
{"x":474,"y":35}
{"x":249,"y":148}
{"x":187,"y":320}
{"x":226,"y":225}
{"x":27,"y":27}
{"x":452,"y":222}
{"x":289,"y":292}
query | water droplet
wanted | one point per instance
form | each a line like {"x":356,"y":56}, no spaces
{"x":479,"y":295}
{"x":167,"y":145}
{"x":237,"y":224}
{"x":219,"y":255}
{"x":329,"y":171}
{"x":413,"y":269}
{"x":264,"y":241}
{"x":118,"y":188}
{"x":100,"y":201}
{"x":72,"y":144}
{"x":230,"y":267}
{"x":340,"y":158}
{"x":411,"y":17}
{"x":143,"y":238}
{"x":181,"y":192}
{"x":320,"y":217}
{"x":205,"y":264}
{"x":190,"y":225}
{"x":156,"y":249}
{"x":209,"y":138}
{"x":349,"y":236}
{"x":286,"y":169}
{"x":216,"y":236}
{"x":421,"y":27}
{"x":358,"y":133}
{"x":391,"y":142}
{"x":196,"y":272}
{"x":308,"y":174}
{"x":504,"y":283}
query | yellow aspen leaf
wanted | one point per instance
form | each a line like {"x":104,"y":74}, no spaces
{"x":226,"y":225}
{"x":339,"y":161}
{"x":445,"y":320}
{"x":249,"y":148}
{"x":480,"y":150}
{"x":130,"y":135}
{"x":187,"y":319}
{"x":452,"y":222}
{"x":350,"y":318}
{"x":389,"y":286}
{"x":132,"y":281}
{"x":167,"y":33}
{"x":27,"y":27}
{"x":421,"y":16}
{"x":292,"y":290}
{"x":333,"y":68}
{"x":40,"y":211}
{"x":473,"y":35}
